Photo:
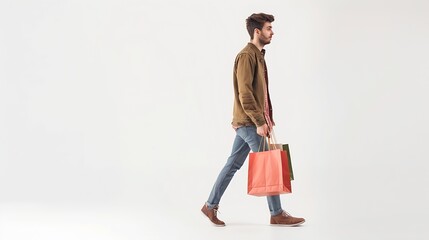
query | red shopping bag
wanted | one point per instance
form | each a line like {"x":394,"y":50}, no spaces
{"x":268,"y":173}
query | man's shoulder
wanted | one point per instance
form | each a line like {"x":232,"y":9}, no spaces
{"x":248,"y":49}
{"x":247,"y":52}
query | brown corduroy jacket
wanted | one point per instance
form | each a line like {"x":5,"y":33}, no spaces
{"x":249,"y":87}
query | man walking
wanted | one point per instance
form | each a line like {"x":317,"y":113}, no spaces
{"x":252,"y":117}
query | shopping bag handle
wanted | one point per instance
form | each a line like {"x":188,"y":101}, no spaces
{"x":271,"y":141}
{"x":263,"y":145}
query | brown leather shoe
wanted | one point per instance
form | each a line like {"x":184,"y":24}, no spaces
{"x":212,"y":215}
{"x":285,"y":219}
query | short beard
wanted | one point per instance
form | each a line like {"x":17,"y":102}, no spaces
{"x":262,"y":42}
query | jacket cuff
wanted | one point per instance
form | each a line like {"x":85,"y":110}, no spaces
{"x":259,"y":122}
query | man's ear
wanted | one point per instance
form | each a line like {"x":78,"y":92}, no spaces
{"x":257,"y":31}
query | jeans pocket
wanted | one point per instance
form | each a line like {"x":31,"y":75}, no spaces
{"x":242,"y":132}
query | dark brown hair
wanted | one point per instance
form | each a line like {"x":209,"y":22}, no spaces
{"x":257,"y":20}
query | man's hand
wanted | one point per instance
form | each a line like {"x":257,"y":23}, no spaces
{"x":263,"y":130}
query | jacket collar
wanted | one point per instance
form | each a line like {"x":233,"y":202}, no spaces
{"x":254,"y":48}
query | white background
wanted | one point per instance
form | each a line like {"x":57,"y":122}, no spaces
{"x":115,"y":118}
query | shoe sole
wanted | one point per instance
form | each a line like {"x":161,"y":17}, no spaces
{"x":286,"y":225}
{"x":211,"y":221}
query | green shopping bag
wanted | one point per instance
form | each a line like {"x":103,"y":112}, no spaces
{"x":286,"y":149}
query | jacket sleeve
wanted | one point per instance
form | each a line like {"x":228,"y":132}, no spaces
{"x":245,"y":71}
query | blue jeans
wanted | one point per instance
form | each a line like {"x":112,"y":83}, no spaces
{"x":246,"y":139}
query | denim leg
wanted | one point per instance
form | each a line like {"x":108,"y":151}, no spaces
{"x":254,"y":141}
{"x":239,"y":153}
{"x":245,"y":139}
